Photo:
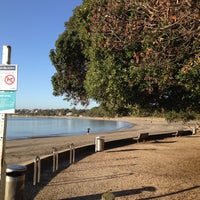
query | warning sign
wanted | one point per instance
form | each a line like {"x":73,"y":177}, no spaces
{"x":8,"y":77}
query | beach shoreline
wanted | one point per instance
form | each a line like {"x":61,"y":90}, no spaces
{"x":44,"y":127}
{"x":158,"y":168}
{"x":24,"y":150}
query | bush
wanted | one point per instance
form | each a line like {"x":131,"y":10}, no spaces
{"x":181,"y":116}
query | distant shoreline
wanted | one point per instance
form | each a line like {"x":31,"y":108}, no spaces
{"x":61,"y":116}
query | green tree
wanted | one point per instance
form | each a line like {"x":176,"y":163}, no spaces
{"x":69,"y":62}
{"x":138,"y":51}
{"x":138,"y":54}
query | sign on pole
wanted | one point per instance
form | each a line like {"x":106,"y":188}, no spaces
{"x":7,"y":102}
{"x":8,"y":77}
{"x":8,"y":87}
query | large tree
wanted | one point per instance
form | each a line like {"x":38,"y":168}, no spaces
{"x":69,"y":62}
{"x":143,"y":53}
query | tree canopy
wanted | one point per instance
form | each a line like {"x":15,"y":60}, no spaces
{"x":69,"y":62}
{"x":129,"y":54}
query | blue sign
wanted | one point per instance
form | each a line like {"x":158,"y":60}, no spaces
{"x":7,"y":101}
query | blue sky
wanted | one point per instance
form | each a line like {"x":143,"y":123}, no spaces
{"x":31,"y":29}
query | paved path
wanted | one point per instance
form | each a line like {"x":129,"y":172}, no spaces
{"x":161,"y":169}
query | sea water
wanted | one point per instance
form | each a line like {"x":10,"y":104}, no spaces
{"x":22,"y":127}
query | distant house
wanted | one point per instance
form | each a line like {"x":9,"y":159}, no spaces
{"x":69,"y":114}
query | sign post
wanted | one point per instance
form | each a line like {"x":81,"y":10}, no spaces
{"x":8,"y":85}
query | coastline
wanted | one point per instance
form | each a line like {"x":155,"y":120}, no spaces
{"x":24,"y":150}
{"x":23,"y":127}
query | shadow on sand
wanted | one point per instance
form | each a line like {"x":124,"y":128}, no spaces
{"x":117,"y":194}
{"x":171,"y":193}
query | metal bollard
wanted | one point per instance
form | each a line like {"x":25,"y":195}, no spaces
{"x":72,"y":154}
{"x":37,"y":170}
{"x":55,"y":159}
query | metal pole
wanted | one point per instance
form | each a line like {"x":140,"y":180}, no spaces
{"x":72,"y":154}
{"x":6,"y":55}
{"x":55,"y":159}
{"x":37,"y":170}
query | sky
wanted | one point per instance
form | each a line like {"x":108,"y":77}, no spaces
{"x":31,"y":28}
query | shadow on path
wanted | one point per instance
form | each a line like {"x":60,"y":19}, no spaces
{"x":171,"y":193}
{"x":125,"y":150}
{"x":117,"y":194}
{"x":163,"y":142}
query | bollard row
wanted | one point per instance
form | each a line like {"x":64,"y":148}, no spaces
{"x":37,"y":163}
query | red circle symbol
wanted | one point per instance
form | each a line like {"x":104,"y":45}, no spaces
{"x":9,"y":79}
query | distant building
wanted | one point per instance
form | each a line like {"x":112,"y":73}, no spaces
{"x":69,"y":114}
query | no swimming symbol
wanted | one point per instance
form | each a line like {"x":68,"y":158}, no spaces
{"x":9,"y":79}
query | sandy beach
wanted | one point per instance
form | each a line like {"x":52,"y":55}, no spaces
{"x":166,"y":169}
{"x":24,"y":150}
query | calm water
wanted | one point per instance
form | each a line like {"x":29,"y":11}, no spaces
{"x":40,"y":127}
